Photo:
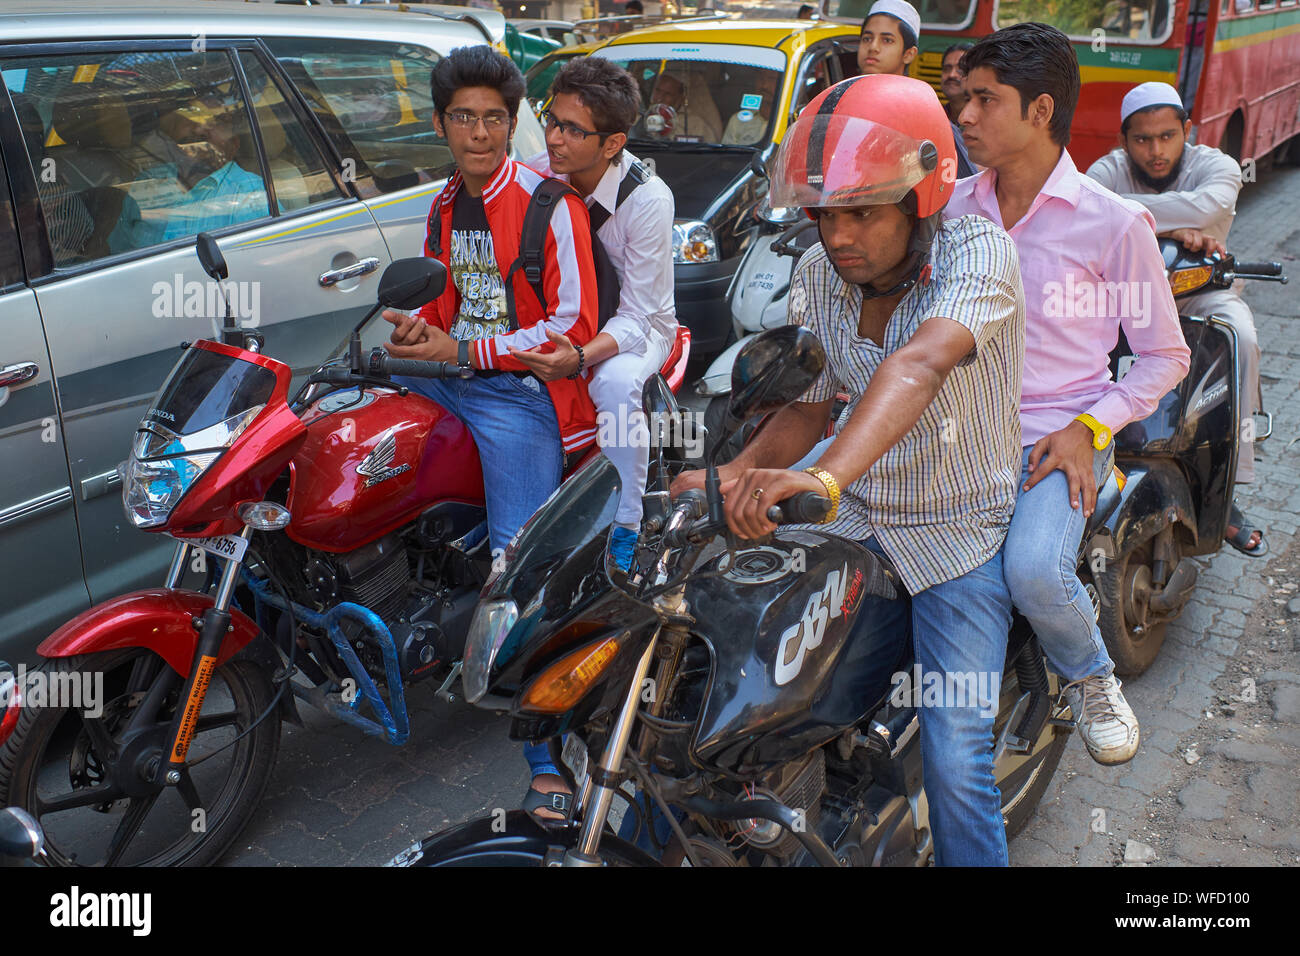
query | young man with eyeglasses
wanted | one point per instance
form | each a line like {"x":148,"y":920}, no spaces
{"x":522,"y":426}
{"x":594,"y":104}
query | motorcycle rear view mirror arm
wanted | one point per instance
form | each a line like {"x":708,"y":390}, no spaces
{"x":407,"y":284}
{"x":214,"y":264}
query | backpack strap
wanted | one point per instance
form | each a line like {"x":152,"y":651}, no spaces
{"x":532,"y":242}
{"x":637,"y":175}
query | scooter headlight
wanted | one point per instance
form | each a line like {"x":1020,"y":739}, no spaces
{"x":488,"y":631}
{"x":163,"y":466}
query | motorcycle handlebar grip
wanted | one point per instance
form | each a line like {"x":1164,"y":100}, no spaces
{"x":1258,"y":268}
{"x":418,"y":368}
{"x":807,"y":507}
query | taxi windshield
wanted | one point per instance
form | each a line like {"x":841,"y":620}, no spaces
{"x":706,"y":95}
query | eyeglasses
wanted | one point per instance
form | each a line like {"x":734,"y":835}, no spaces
{"x":492,"y":121}
{"x":575,"y":134}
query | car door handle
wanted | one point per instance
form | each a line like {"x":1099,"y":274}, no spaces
{"x":17,"y":374}
{"x":359,"y":268}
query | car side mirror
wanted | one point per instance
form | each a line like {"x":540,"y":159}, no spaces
{"x":410,"y":283}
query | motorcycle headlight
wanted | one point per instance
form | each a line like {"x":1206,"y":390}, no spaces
{"x":693,"y":241}
{"x":163,"y":466}
{"x":487,"y":633}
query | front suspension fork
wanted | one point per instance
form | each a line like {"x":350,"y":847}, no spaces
{"x":212,"y":626}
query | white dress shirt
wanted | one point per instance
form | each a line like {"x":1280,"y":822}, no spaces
{"x":639,"y":240}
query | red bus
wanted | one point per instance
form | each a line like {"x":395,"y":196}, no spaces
{"x":1236,"y":62}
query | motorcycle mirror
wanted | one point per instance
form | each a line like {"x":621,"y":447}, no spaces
{"x":410,"y":283}
{"x":20,"y":834}
{"x":772,"y":370}
{"x":214,"y":263}
{"x":757,"y":166}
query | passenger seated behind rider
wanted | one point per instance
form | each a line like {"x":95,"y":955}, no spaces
{"x":522,"y":427}
{"x":594,"y":105}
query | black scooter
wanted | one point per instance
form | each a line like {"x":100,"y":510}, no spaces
{"x":1179,"y":467}
{"x":720,"y":677}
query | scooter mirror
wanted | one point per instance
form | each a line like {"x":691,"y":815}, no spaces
{"x":213,"y":262}
{"x":20,"y":834}
{"x":663,"y":418}
{"x":772,"y":370}
{"x":410,"y":283}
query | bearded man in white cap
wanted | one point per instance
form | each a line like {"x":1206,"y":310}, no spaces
{"x":887,"y":43}
{"x":1192,"y":193}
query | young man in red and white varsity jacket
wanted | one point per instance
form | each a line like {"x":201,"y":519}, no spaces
{"x":522,"y":426}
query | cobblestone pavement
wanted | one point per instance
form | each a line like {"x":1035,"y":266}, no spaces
{"x":1215,"y":781}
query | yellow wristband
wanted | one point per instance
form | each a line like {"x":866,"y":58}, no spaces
{"x":1100,"y":433}
{"x":832,"y":491}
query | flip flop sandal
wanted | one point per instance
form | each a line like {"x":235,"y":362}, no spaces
{"x":1241,"y":540}
{"x":536,"y":800}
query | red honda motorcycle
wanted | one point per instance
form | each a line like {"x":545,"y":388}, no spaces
{"x":342,"y":535}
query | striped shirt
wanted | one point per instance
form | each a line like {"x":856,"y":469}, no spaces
{"x":940,"y":501}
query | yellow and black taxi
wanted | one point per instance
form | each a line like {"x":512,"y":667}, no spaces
{"x":717,"y":96}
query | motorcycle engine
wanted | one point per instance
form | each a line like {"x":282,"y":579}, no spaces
{"x":799,"y":786}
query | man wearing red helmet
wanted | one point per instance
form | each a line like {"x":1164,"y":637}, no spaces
{"x":923,"y":325}
{"x":1072,"y":234}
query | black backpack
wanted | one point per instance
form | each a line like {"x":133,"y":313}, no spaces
{"x":532,"y":243}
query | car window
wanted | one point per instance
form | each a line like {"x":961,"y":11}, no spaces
{"x":717,"y":95}
{"x":298,"y":173}
{"x":816,"y":76}
{"x":133,"y":150}
{"x":373,"y":100}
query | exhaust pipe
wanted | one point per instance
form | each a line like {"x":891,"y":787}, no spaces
{"x":1178,"y":591}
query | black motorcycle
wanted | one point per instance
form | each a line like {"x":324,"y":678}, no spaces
{"x":720,"y":677}
{"x":1179,"y":466}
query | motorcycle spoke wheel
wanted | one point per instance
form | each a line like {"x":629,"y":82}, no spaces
{"x":1132,"y":632}
{"x":87,"y":780}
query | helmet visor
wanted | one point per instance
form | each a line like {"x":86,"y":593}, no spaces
{"x":830,"y":159}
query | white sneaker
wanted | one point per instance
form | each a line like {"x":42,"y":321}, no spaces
{"x":1106,"y":722}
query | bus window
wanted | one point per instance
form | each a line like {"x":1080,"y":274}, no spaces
{"x":948,"y":13}
{"x":1143,"y":20}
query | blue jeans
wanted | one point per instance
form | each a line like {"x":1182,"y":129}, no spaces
{"x":1040,"y":561}
{"x":959,"y":633}
{"x":518,"y":438}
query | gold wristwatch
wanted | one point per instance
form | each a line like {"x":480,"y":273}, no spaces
{"x":832,"y":491}
{"x":1101,"y":435}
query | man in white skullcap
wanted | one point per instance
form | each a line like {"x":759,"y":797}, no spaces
{"x":1192,"y":193}
{"x":888,"y":43}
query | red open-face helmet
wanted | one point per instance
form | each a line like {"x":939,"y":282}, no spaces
{"x":867,"y":141}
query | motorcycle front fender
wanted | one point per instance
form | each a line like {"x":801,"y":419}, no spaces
{"x":515,"y":840}
{"x":1155,"y":496}
{"x":160,"y":619}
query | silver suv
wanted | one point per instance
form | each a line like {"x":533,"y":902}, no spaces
{"x":300,"y":138}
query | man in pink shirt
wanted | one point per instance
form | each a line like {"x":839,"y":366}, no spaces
{"x":1090,"y":266}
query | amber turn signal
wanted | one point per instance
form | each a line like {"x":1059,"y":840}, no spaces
{"x":563,"y":684}
{"x":1185,"y":280}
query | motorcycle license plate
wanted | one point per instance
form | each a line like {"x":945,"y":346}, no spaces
{"x":230,"y":546}
{"x":574,"y":756}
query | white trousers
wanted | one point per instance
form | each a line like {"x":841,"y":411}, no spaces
{"x":615,"y":389}
{"x":1227,"y":305}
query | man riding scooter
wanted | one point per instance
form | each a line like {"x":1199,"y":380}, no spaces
{"x":1191,"y":190}
{"x":922,"y":323}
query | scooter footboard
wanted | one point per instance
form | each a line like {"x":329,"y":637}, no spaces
{"x":161,"y":619}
